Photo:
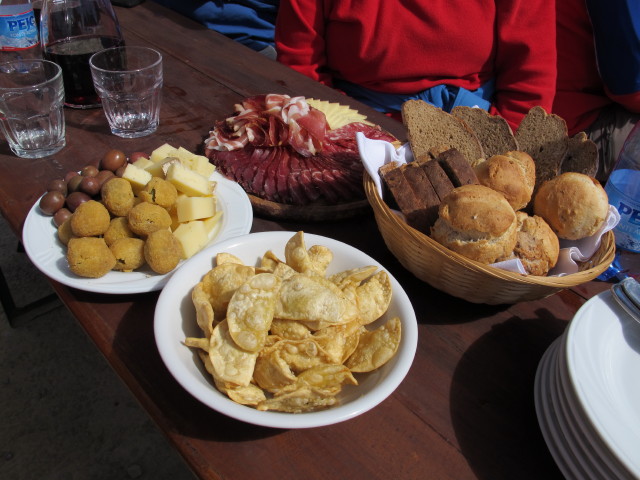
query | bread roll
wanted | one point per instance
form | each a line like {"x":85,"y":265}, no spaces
{"x":512,"y":174}
{"x":574,"y":205}
{"x":537,"y":246}
{"x":477,"y":222}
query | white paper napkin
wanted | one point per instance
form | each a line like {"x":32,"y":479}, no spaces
{"x":376,"y":153}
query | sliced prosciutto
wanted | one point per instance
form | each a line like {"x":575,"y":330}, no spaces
{"x":280,"y":148}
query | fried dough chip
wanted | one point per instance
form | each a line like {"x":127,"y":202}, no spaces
{"x":314,"y":301}
{"x":204,"y":310}
{"x":290,"y":329}
{"x":250,"y":311}
{"x":297,"y":257}
{"x":196,"y":342}
{"x":224,"y":257}
{"x":230,"y":363}
{"x":251,"y":394}
{"x":376,"y":347}
{"x":304,"y":399}
{"x":339,"y":341}
{"x":272,"y":373}
{"x":354,"y":276}
{"x":301,"y":355}
{"x":373,"y":297}
{"x":221,"y":282}
{"x":327,"y":379}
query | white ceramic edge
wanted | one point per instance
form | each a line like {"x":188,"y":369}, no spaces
{"x":165,"y":343}
{"x":599,"y":410}
{"x":49,"y":257}
{"x":546,"y":422}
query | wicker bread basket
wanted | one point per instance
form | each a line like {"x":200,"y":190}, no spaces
{"x":475,"y":282}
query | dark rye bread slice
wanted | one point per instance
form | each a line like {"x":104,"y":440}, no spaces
{"x":437,"y":176}
{"x":457,"y":168}
{"x":544,"y":137}
{"x":430,"y":127}
{"x":493,"y":131}
{"x":410,"y":196}
{"x":581,"y":156}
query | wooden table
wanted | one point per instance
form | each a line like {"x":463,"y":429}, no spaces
{"x":465,"y":410}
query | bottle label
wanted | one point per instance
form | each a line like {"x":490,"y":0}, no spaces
{"x":627,"y":232}
{"x":18,"y":32}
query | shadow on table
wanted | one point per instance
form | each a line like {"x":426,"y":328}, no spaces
{"x":492,"y":400}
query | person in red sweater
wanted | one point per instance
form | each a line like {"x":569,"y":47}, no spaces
{"x":496,"y":54}
{"x":598,"y":87}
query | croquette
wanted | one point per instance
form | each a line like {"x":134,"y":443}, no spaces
{"x":146,"y":218}
{"x":160,"y":192}
{"x":64,"y":232}
{"x":89,"y":257}
{"x":118,"y":228}
{"x":90,"y":219}
{"x":129,"y":253}
{"x":162,"y":251}
{"x":117,"y":195}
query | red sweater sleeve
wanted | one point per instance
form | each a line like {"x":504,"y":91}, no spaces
{"x":525,"y":63}
{"x":299,"y":38}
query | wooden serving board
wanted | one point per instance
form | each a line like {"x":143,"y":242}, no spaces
{"x":307,"y":213}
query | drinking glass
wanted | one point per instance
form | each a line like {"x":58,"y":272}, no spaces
{"x":71,"y":31}
{"x":129,"y":82}
{"x":32,"y":107}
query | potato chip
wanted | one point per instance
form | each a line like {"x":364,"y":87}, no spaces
{"x":289,"y":329}
{"x":314,"y":301}
{"x":376,"y":347}
{"x":250,"y":311}
{"x":373,"y":297}
{"x":224,"y":257}
{"x":304,"y":399}
{"x":221,"y":282}
{"x":204,"y":310}
{"x":272,"y":373}
{"x":231,"y":364}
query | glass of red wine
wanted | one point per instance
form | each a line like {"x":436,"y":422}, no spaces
{"x":71,"y":31}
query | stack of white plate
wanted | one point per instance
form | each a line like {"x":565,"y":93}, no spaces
{"x":587,"y":394}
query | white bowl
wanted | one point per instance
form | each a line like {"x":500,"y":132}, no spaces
{"x":175,"y":320}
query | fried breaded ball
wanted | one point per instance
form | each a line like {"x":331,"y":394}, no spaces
{"x":160,"y":192}
{"x":129,"y":253}
{"x":118,"y":228}
{"x":162,"y":251}
{"x":117,"y":195}
{"x":64,"y":232}
{"x":90,"y":219}
{"x":146,"y":218}
{"x":89,"y":257}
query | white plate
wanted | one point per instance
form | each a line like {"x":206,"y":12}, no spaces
{"x":41,"y":243}
{"x":175,"y":320}
{"x":603,"y":360}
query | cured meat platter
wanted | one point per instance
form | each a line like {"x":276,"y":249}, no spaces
{"x":296,"y":158}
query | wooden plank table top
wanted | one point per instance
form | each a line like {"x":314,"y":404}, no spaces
{"x":464,"y":411}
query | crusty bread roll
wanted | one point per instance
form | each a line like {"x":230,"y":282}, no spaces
{"x":513,"y":174}
{"x":573,"y":204}
{"x":477,"y":222}
{"x":537,"y":246}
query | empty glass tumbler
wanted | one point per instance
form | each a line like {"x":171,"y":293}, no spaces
{"x":32,"y":107}
{"x":129,"y":82}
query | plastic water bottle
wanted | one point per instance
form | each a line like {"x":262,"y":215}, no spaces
{"x":18,"y":31}
{"x":623,"y":189}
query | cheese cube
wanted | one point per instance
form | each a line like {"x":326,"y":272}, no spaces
{"x":192,"y":237}
{"x":138,"y":177}
{"x":189,"y":182}
{"x":158,"y":168}
{"x":195,"y":208}
{"x":162,"y":152}
{"x":212,"y":224}
{"x":201,"y":164}
{"x":143,"y":163}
